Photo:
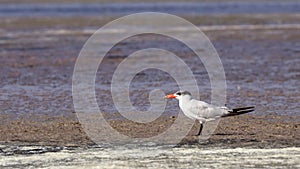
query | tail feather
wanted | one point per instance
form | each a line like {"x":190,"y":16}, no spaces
{"x":239,"y":111}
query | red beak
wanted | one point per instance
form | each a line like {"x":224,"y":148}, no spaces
{"x":170,"y":96}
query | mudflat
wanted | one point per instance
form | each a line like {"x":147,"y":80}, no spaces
{"x":270,"y":131}
{"x":37,"y":61}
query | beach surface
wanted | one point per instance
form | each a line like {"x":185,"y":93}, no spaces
{"x":39,"y":126}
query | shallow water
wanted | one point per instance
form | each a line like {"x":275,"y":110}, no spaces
{"x":83,"y":9}
{"x":147,"y":157}
{"x":261,"y":69}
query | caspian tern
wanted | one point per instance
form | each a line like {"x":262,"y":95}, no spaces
{"x":202,"y":111}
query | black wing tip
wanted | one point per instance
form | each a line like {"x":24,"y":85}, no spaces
{"x":239,"y":111}
{"x":243,"y":108}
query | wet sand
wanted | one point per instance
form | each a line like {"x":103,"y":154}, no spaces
{"x":271,"y":131}
{"x":39,"y":127}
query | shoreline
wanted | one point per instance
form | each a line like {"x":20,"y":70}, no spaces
{"x":149,"y":157}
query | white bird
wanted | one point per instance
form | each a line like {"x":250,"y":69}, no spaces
{"x":202,"y":111}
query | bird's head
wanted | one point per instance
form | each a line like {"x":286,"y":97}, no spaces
{"x":179,"y":95}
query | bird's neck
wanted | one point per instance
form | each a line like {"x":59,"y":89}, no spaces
{"x":185,"y":99}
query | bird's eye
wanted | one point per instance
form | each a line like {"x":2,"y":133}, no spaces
{"x":178,"y":94}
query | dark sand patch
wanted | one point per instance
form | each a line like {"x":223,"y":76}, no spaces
{"x":247,"y":130}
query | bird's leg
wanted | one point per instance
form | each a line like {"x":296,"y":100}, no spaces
{"x":200,"y":129}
